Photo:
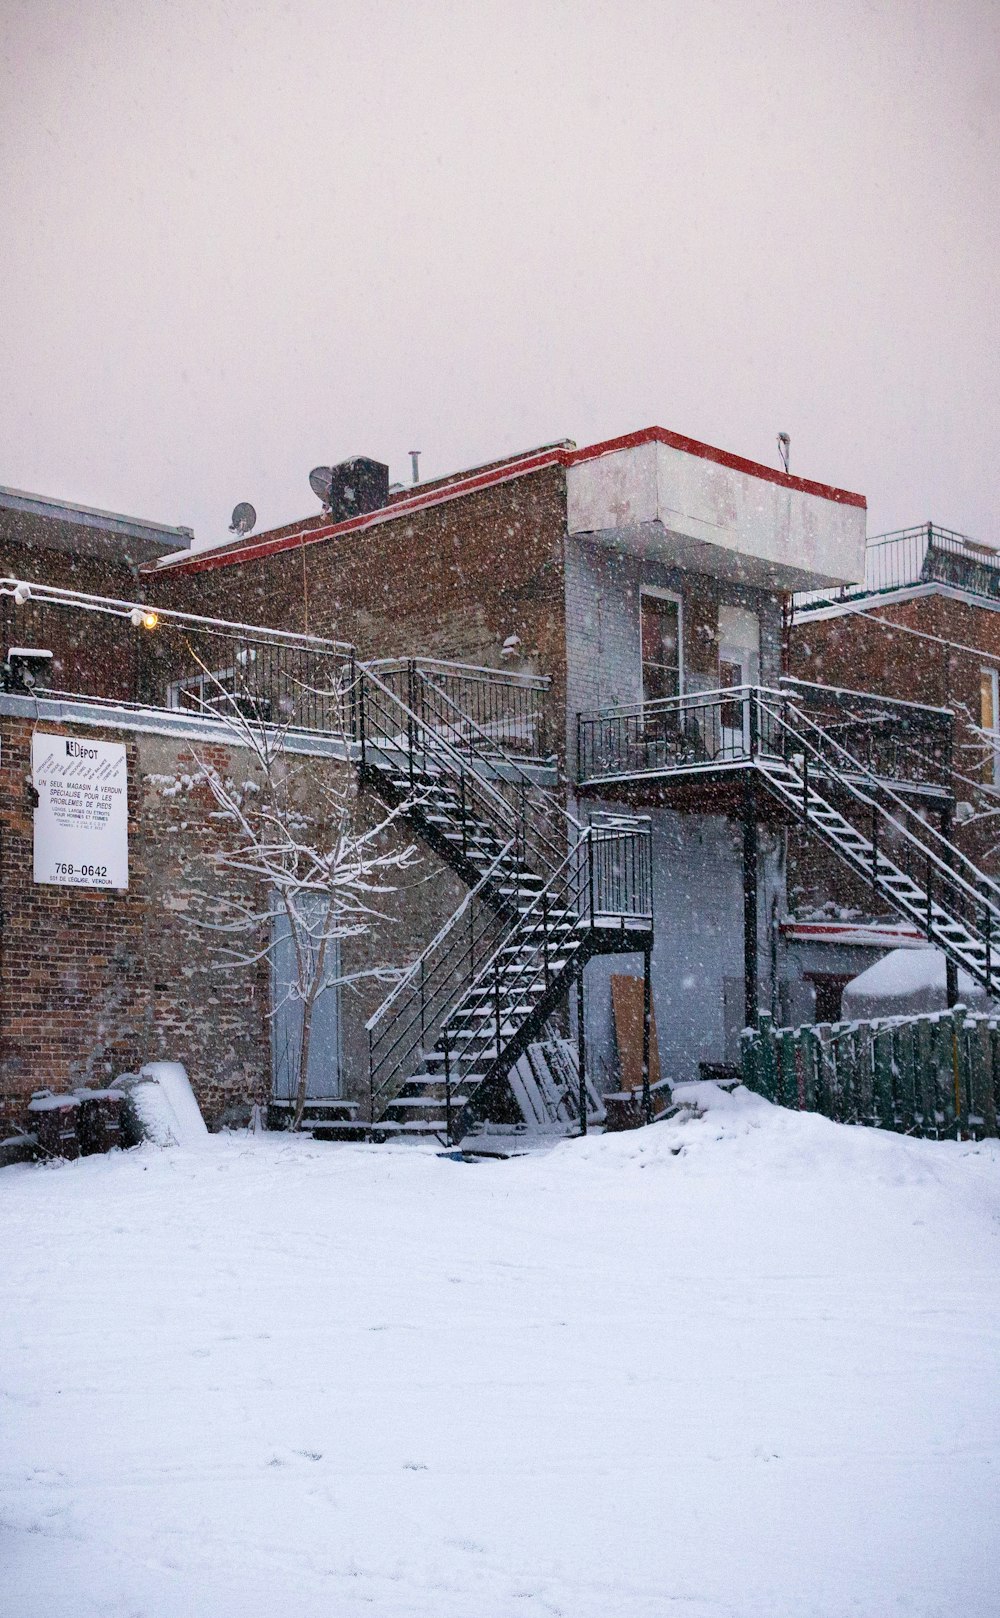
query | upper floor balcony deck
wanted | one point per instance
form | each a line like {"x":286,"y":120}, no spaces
{"x":911,"y":557}
{"x":685,"y":750}
{"x":62,"y":647}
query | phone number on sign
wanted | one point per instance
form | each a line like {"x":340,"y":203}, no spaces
{"x":81,"y":870}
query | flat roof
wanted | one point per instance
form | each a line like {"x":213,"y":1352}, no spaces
{"x":51,"y":509}
{"x":422,"y":497}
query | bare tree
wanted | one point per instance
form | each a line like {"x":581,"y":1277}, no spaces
{"x":295,"y":856}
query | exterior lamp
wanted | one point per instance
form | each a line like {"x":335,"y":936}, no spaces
{"x":141,"y":619}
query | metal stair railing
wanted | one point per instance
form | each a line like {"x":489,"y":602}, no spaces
{"x":507,"y":707}
{"x":905,"y":742}
{"x":420,"y":733}
{"x":516,"y":988}
{"x":408,"y":1022}
{"x":604,"y":875}
{"x":393,"y":738}
{"x":935,"y":885}
{"x":847,"y":766}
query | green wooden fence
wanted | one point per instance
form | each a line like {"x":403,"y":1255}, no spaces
{"x":936,"y":1075}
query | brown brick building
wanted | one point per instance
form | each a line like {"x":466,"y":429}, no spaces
{"x":535,"y":652}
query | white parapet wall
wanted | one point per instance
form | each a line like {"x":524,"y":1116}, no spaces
{"x":675,"y":500}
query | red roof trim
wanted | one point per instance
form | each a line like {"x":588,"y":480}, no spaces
{"x":722,"y":457}
{"x":255,"y":550}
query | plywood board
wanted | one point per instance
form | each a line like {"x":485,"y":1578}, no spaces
{"x":626,"y":1001}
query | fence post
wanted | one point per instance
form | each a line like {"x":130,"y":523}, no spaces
{"x":904,"y":1064}
{"x":824,"y":1086}
{"x":960,"y":1066}
{"x":979,"y":1121}
{"x":447,"y":1087}
{"x":581,"y":1051}
{"x":885,"y":1111}
{"x":993,"y":1080}
{"x":788,"y":1079}
{"x":766,"y":1054}
{"x":810,"y":1068}
{"x":749,"y":1050}
{"x":647,"y":1017}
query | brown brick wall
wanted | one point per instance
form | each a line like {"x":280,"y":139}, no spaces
{"x":93,"y":983}
{"x":853,"y":651}
{"x":453,"y":581}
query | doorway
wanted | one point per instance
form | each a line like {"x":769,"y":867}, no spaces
{"x":739,"y":666}
{"x":324,"y":1075}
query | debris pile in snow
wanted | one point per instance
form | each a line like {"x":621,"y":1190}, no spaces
{"x":161,"y":1105}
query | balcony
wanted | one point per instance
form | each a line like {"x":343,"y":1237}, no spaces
{"x":67,"y":649}
{"x":914,"y":556}
{"x":686,"y":749}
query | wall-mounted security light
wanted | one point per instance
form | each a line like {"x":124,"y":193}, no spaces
{"x":26,"y":668}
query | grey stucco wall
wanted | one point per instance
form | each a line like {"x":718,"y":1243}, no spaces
{"x":602,"y":626}
{"x":697,"y":965}
{"x":697,"y":859}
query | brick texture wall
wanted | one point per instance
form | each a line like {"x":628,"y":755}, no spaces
{"x":94,"y":983}
{"x":453,"y":581}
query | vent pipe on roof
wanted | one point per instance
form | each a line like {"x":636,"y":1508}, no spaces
{"x":415,"y":463}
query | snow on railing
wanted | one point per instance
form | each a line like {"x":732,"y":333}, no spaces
{"x":911,"y":556}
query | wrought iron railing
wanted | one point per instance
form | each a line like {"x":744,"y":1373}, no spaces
{"x":409,"y":1021}
{"x":407,"y":718}
{"x":503,"y":711}
{"x":912,"y":556}
{"x":955,"y":895}
{"x":489,"y":976}
{"x":908,"y":743}
{"x":584,"y":876}
{"x":903,"y":743}
{"x":131,"y":654}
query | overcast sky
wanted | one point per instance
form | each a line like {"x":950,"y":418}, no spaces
{"x":239,"y":240}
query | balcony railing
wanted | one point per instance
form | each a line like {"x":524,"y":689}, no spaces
{"x":501,"y":711}
{"x":913,"y":556}
{"x":128,"y":654}
{"x":133,"y":655}
{"x":902,"y":743}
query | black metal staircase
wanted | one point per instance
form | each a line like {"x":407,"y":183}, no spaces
{"x":863,"y":773}
{"x":546,"y":893}
{"x":913,"y":866}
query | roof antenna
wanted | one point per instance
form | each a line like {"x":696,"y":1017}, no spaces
{"x":784,"y":445}
{"x":415,"y":463}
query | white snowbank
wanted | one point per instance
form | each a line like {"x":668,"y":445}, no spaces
{"x":740,"y":1367}
{"x":906,"y":981}
{"x":164,"y":1107}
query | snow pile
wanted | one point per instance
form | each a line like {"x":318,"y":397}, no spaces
{"x":161,"y":1106}
{"x":906,"y":982}
{"x":744,"y":1366}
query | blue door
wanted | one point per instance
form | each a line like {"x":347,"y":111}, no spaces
{"x":286,"y":1025}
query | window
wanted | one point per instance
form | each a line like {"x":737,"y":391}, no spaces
{"x":989,"y":719}
{"x":660,"y":625}
{"x":221,"y":691}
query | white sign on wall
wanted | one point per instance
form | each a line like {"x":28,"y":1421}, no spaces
{"x":81,"y":818}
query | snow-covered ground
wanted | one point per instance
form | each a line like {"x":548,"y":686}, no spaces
{"x":746,"y":1365}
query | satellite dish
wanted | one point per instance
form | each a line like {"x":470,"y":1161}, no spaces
{"x":321,"y":483}
{"x":244,"y":518}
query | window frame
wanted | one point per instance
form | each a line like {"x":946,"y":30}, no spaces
{"x":660,"y":594}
